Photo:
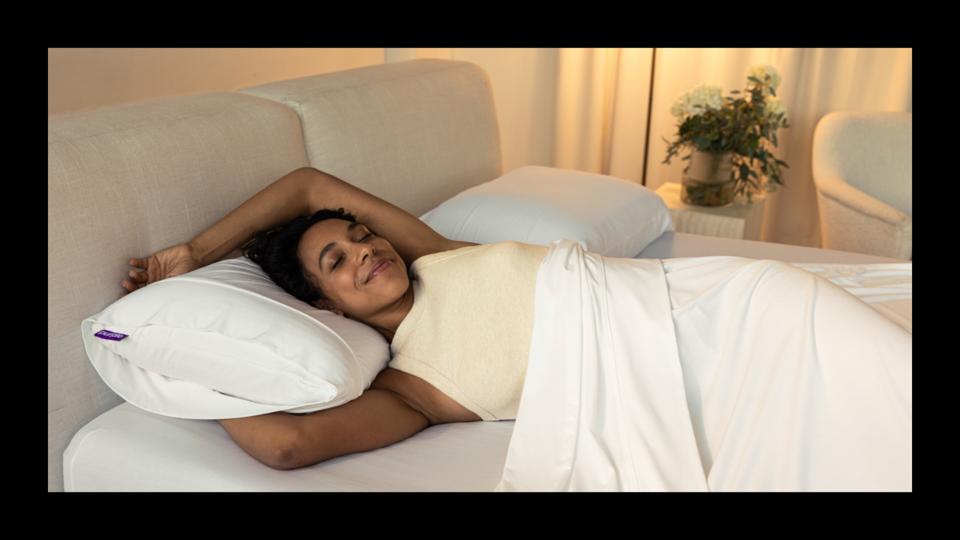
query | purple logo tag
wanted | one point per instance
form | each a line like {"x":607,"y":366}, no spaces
{"x":113,"y":336}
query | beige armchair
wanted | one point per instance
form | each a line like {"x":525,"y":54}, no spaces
{"x":862,"y":169}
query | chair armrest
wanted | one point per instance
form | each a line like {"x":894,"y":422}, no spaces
{"x":851,"y":220}
{"x":843,"y":193}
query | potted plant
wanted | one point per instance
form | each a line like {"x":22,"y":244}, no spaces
{"x":729,"y":140}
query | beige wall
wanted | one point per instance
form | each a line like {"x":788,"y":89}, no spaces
{"x":88,"y":78}
{"x":523,"y":80}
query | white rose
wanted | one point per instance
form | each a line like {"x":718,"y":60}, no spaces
{"x":774,"y":107}
{"x":768,"y":74}
{"x":707,"y":97}
{"x":698,"y":101}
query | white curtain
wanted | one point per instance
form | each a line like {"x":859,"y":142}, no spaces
{"x":603,"y":97}
{"x":602,"y":108}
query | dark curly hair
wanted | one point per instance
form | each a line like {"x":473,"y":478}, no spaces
{"x":275,"y":251}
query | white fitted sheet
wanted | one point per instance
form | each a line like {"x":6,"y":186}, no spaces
{"x":128,"y":449}
{"x":674,"y":245}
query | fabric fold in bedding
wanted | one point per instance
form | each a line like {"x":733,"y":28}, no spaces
{"x":709,"y":373}
{"x":603,"y":406}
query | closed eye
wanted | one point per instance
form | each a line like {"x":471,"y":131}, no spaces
{"x":369,"y":234}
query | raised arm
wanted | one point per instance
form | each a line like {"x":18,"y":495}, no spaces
{"x":301,"y":192}
{"x":408,"y":235}
{"x":281,"y":201}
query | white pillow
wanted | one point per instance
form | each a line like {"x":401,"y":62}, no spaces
{"x":225,"y":341}
{"x":536,"y":205}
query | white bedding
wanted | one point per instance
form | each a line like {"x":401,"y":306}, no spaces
{"x":710,"y":374}
{"x":129,"y":449}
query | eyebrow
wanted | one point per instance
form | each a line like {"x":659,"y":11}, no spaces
{"x":331,"y":245}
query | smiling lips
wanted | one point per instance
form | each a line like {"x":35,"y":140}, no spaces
{"x":379,"y":268}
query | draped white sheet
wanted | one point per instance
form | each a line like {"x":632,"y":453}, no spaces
{"x":708,"y":373}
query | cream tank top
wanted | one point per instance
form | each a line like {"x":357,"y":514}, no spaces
{"x":469,"y":329}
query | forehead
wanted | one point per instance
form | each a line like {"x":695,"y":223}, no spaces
{"x":326,"y":232}
{"x":330,"y":227}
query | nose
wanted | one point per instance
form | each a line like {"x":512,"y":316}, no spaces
{"x":366,"y":250}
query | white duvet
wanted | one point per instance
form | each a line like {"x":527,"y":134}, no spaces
{"x":714,"y":374}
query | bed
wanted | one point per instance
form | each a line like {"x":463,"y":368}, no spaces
{"x":128,"y":449}
{"x":133,"y":179}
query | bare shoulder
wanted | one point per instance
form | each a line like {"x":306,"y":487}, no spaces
{"x":438,"y":407}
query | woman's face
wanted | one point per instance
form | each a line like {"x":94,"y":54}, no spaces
{"x":340,"y":255}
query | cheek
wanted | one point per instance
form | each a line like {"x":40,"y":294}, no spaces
{"x":391,"y":284}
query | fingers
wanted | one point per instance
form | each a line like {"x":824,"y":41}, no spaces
{"x":145,"y":270}
{"x":129,"y":286}
{"x":136,"y":278}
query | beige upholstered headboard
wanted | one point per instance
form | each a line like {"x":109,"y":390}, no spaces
{"x":426,"y":123}
{"x":129,"y":180}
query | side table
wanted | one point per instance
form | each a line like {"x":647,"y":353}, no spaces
{"x":737,"y":220}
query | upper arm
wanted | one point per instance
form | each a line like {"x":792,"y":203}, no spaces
{"x":424,"y":397}
{"x":408,"y":235}
{"x":376,"y":419}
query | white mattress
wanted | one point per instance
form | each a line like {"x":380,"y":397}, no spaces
{"x":128,"y":449}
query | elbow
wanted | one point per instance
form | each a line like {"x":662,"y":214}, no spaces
{"x":311,"y":173}
{"x":287,"y":458}
{"x":291,"y":456}
{"x":283,"y":458}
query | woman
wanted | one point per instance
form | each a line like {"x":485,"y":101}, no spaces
{"x":776,"y":380}
{"x":359,"y":264}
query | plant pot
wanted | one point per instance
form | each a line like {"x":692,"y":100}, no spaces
{"x":707,"y":180}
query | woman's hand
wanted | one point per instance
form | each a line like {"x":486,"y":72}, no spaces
{"x":165,"y":263}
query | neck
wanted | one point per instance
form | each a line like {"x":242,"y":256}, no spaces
{"x":388,"y":320}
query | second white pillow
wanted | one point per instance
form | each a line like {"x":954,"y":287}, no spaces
{"x":537,"y":205}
